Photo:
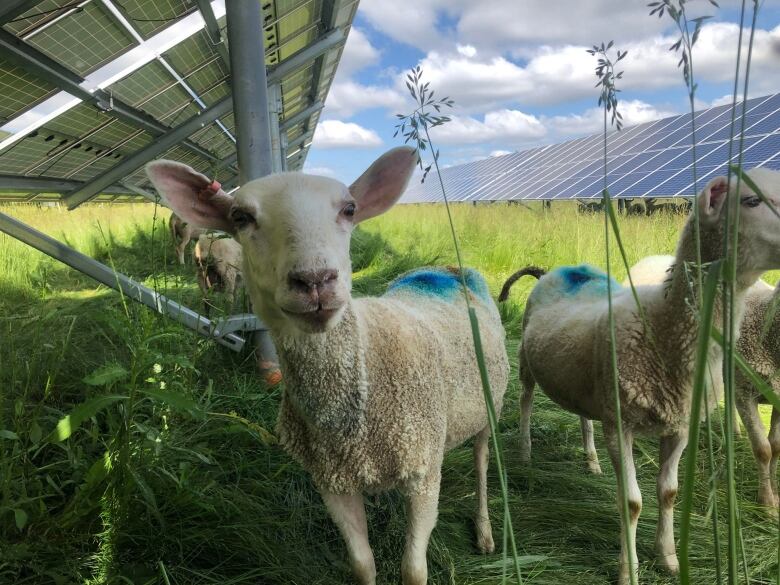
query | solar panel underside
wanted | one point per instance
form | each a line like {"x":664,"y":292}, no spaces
{"x":654,"y":159}
{"x":84,"y":142}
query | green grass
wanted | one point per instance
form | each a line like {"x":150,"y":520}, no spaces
{"x":198,"y":494}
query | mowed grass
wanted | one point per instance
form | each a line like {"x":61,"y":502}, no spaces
{"x":150,"y":490}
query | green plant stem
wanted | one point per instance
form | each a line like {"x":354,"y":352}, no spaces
{"x":731,"y":325}
{"x":700,"y":371}
{"x":714,"y":494}
{"x":491,"y":408}
{"x":615,"y":379}
{"x":691,"y":98}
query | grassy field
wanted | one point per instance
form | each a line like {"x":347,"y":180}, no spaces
{"x":174,"y":478}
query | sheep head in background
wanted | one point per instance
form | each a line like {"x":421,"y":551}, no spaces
{"x":294,"y":229}
{"x":759,"y":227}
{"x":377,"y":389}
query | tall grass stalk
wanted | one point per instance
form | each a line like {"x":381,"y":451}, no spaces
{"x":729,"y":320}
{"x":676,"y":10}
{"x":699,"y":380}
{"x":422,"y":119}
{"x":730,"y":326}
{"x":605,"y":71}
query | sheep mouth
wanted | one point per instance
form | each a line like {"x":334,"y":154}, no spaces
{"x":318,"y":318}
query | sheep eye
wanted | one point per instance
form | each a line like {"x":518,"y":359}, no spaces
{"x":349,"y":210}
{"x":241,"y":218}
{"x":751,"y":201}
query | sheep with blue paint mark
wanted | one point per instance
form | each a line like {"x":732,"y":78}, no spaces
{"x":376,"y":389}
{"x":759,"y":345}
{"x":566,"y":347}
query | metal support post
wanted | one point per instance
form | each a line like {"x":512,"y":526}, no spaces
{"x":221,"y":331}
{"x":274,"y":113}
{"x":284,"y":147}
{"x":250,"y":107}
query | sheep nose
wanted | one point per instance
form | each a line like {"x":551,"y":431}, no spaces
{"x":311,"y":280}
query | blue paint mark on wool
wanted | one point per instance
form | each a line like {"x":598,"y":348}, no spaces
{"x":584,"y":279}
{"x":442,"y":282}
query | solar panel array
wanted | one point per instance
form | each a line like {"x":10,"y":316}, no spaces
{"x":654,"y":159}
{"x":187,"y":78}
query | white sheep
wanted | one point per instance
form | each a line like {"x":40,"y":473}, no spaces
{"x":181,"y":234}
{"x":377,"y":389}
{"x":759,"y":345}
{"x":566,"y":348}
{"x":218,"y":260}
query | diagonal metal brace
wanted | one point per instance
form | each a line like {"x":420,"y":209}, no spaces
{"x":235,"y":323}
{"x":222,"y":331}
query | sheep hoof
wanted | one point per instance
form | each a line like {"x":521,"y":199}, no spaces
{"x":525,"y":453}
{"x":769,"y":501}
{"x":594,"y":468}
{"x":625,"y":576}
{"x":670,"y":563}
{"x":485,"y":542}
{"x":771,"y":510}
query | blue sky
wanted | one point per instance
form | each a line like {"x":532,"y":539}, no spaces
{"x":519,"y":73}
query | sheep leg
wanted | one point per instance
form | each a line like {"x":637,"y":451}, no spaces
{"x":737,"y":427}
{"x":774,"y":441}
{"x":672,"y":447}
{"x":230,"y":284}
{"x":181,"y":246}
{"x":762,"y":449}
{"x":349,"y":514}
{"x":526,"y":406}
{"x":485,"y":542}
{"x":421,"y":512}
{"x":588,"y":444}
{"x":634,"y":496}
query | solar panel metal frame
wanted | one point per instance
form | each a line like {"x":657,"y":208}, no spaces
{"x":297,"y":28}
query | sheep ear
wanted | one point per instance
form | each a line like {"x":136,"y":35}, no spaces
{"x":383,"y":183}
{"x":191,"y":195}
{"x":712,"y":199}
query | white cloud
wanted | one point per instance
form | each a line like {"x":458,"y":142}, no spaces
{"x":499,"y":24}
{"x":412,"y":23}
{"x":338,"y":134}
{"x":557,"y":74}
{"x":650,"y":64}
{"x":592,"y":120}
{"x":346,"y":98}
{"x":467,"y":50}
{"x":509,"y":126}
{"x":358,"y":53}
{"x":473,"y":84}
{"x":494,"y":25}
{"x":321,"y":171}
{"x":499,"y":152}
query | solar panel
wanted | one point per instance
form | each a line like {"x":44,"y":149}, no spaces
{"x":59,"y":49}
{"x":654,"y":159}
